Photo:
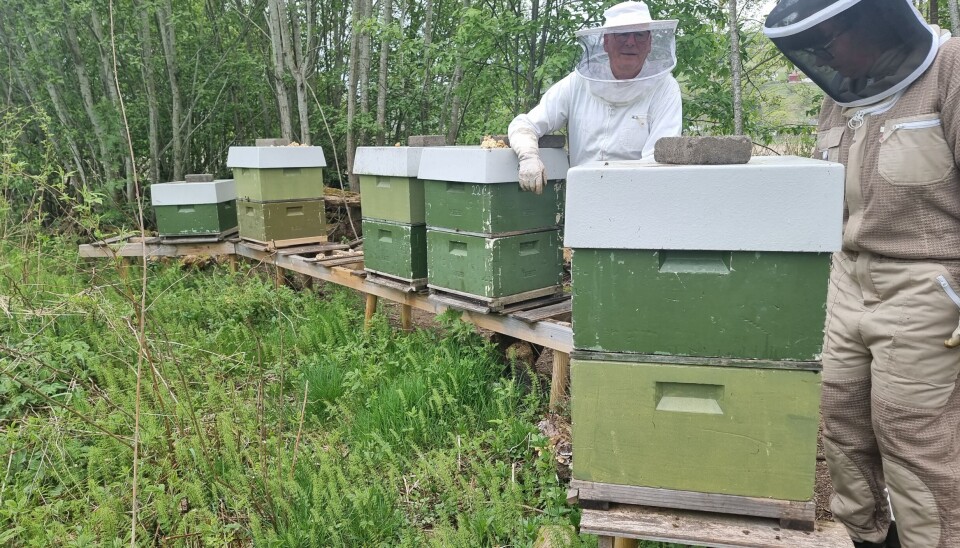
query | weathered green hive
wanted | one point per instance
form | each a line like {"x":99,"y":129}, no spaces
{"x":496,"y":267}
{"x":277,"y":173}
{"x":726,"y":261}
{"x":475,"y":190}
{"x":389,"y":185}
{"x":729,"y":430}
{"x":396,"y":250}
{"x":204,"y":207}
{"x":275,"y":221}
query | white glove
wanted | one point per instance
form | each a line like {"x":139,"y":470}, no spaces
{"x":533,"y":174}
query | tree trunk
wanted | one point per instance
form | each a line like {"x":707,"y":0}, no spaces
{"x":168,"y":39}
{"x":352,"y":93}
{"x":153,"y":112}
{"x":364,"y":68}
{"x":427,"y":57}
{"x":108,"y":75}
{"x":386,"y":21}
{"x":736,"y":66}
{"x":274,"y":23}
{"x":86,"y":93}
{"x":934,"y":12}
{"x":954,"y":17}
{"x":453,"y":129}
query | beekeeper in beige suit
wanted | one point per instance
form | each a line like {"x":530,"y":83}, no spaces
{"x":891,"y":406}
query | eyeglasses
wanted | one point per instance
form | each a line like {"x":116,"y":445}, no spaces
{"x":622,"y":37}
{"x":823,"y":52}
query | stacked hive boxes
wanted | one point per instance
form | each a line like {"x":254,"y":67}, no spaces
{"x":195,"y":207}
{"x":394,"y":229}
{"x":486,"y":239}
{"x":698,"y":306}
{"x":279,"y":193}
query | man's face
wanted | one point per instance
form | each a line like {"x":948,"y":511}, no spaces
{"x":628,"y":52}
{"x":843,"y":50}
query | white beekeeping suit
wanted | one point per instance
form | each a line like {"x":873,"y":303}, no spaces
{"x":616,"y":104}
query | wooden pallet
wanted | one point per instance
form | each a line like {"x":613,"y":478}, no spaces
{"x":199,"y":238}
{"x":800,"y":515}
{"x":487,"y":305}
{"x":704,"y":529}
{"x":410,"y":286}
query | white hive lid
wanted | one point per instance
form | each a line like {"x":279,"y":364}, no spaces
{"x":772,"y":203}
{"x":182,"y":193}
{"x":387,"y":161}
{"x":275,"y":157}
{"x":484,"y":165}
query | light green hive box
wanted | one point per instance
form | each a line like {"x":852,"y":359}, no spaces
{"x":727,"y":430}
{"x":194,"y":208}
{"x":395,"y":249}
{"x":725,"y":261}
{"x":280,"y":173}
{"x":274,"y":221}
{"x":475,"y":190}
{"x":389,"y":185}
{"x":493,"y":268}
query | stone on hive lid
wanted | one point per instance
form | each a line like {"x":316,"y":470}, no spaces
{"x":198,"y":178}
{"x":714,"y":151}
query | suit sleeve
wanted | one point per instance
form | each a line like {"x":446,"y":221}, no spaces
{"x":949,"y":84}
{"x":666,"y":116}
{"x":548,"y":116}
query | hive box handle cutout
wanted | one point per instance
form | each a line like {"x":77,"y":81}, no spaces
{"x":680,"y":397}
{"x":695,"y":262}
{"x":458,"y":248}
{"x":386,"y":236}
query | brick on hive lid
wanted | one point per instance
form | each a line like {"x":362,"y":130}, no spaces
{"x":199,"y":178}
{"x":272,"y":142}
{"x":731,"y":149}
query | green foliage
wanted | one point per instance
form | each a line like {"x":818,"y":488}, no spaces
{"x":404,"y":439}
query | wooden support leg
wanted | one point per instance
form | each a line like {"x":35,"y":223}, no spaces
{"x":279,"y":277}
{"x":233,"y":264}
{"x":604,"y":541}
{"x":558,"y":381}
{"x":406,"y":317}
{"x":371,"y":309}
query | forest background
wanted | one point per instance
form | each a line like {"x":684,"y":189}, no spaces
{"x":188,"y":404}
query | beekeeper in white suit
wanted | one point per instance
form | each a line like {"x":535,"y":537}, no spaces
{"x":620,"y":99}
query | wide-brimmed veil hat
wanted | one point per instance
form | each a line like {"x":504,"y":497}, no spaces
{"x":623,"y":18}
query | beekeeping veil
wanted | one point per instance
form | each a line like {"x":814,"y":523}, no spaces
{"x":857,"y":51}
{"x":629,"y":55}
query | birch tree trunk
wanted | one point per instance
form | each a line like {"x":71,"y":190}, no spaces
{"x":280,"y":87}
{"x":294,"y":53}
{"x":86,"y":93}
{"x":386,"y":20}
{"x":364,"y":68}
{"x":736,"y":67}
{"x":168,"y":39}
{"x":352,"y":94}
{"x":153,"y":112}
{"x":954,"y":17}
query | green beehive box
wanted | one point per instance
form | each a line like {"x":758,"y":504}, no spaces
{"x":205,"y":207}
{"x":764,"y":305}
{"x":711,"y":261}
{"x":274,"y":221}
{"x":281,"y":173}
{"x":394,"y":249}
{"x":475,"y":190}
{"x":493,"y":268}
{"x":196,"y":220}
{"x":727,"y":430}
{"x":389,"y":185}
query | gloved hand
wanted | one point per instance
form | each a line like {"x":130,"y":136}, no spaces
{"x":524,"y":141}
{"x":533,"y":174}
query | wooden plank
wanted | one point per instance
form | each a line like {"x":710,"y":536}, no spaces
{"x":498,"y":303}
{"x":535,"y":303}
{"x":798,"y":511}
{"x":205,"y":239}
{"x":339,"y":260}
{"x":549,"y":334}
{"x":319,"y":248}
{"x":545,"y":312}
{"x":460,"y":303}
{"x":138,"y":249}
{"x":396,"y":283}
{"x":706,"y":529}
